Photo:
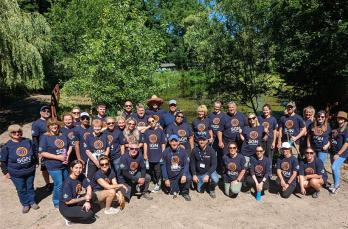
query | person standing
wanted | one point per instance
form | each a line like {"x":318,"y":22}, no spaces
{"x":141,"y":118}
{"x":82,"y":131}
{"x":169,"y":117}
{"x":69,"y":131}
{"x":18,"y":163}
{"x":101,"y":113}
{"x":201,"y":125}
{"x":127,"y":109}
{"x":154,"y":108}
{"x":76,"y":112}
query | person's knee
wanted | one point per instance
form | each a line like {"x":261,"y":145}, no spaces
{"x":111,"y":192}
{"x":214,"y":178}
{"x":147,"y":178}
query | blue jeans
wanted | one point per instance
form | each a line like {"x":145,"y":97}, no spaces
{"x":25,"y":189}
{"x":214,"y":179}
{"x":323,"y":156}
{"x":58,"y":176}
{"x":116,"y":166}
{"x":336,"y":173}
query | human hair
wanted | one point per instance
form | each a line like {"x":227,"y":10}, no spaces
{"x":97,"y":122}
{"x":101,"y":105}
{"x":260,"y":146}
{"x":14,"y":127}
{"x":135,"y":132}
{"x":316,"y":124}
{"x":233,"y":143}
{"x":102,"y":158}
{"x":76,"y":108}
{"x":140,"y":106}
{"x":118,"y":118}
{"x":109,"y":117}
{"x":268,"y":106}
{"x":232,"y":103}
{"x":73,"y":163}
{"x":51,"y":122}
{"x":218,"y":103}
{"x":67,"y":114}
{"x":203,"y":108}
{"x":310,"y":109}
{"x":253,"y":114}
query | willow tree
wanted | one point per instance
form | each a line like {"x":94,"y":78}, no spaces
{"x":24,"y":37}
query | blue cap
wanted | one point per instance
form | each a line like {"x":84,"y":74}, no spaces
{"x":173,"y":137}
{"x":202,"y":137}
{"x":45,"y":107}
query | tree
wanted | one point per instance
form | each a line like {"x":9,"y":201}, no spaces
{"x":24,"y":39}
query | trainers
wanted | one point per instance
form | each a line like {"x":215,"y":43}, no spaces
{"x":25,"y":209}
{"x":111,"y":211}
{"x":334,"y":191}
{"x":35,"y":206}
{"x":212,"y":194}
{"x":68,"y":223}
{"x":332,"y":187}
{"x":315,"y":195}
{"x":187,"y":197}
{"x":175,"y":195}
{"x":156,"y":189}
{"x":147,"y":196}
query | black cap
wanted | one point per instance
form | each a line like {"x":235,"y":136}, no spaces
{"x":45,"y":107}
{"x":202,"y":137}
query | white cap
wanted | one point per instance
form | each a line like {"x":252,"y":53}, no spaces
{"x":286,"y":145}
{"x":84,"y":114}
{"x":172,"y":101}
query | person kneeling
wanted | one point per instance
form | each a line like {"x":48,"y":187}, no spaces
{"x":234,"y":170}
{"x":203,"y":166}
{"x":133,"y":172}
{"x":287,"y":169}
{"x":106,"y":188}
{"x":76,"y":195}
{"x":175,"y":169}
{"x":312,"y":173}
{"x":260,"y":170}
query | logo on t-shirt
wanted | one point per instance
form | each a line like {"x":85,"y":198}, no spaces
{"x":235,"y":122}
{"x":21,"y":151}
{"x":181,"y":133}
{"x":201,"y":127}
{"x":59,"y":143}
{"x":85,"y":135}
{"x":131,"y":138}
{"x":175,"y":163}
{"x":266,"y":125}
{"x":253,"y":135}
{"x":141,"y":124}
{"x":232,"y":166}
{"x":289,"y":124}
{"x":98,"y":144}
{"x":285,"y":166}
{"x":71,"y":135}
{"x":309,"y":171}
{"x":133,"y":165}
{"x":110,"y":138}
{"x":258,"y":169}
{"x":80,"y":190}
{"x":318,"y":131}
{"x":216,"y":121}
{"x":153,"y":138}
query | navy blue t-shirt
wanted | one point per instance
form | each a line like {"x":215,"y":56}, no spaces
{"x":291,"y":126}
{"x":270,"y":123}
{"x":154,"y":138}
{"x":319,"y":137}
{"x":314,"y":167}
{"x":81,"y":136}
{"x":131,"y":165}
{"x":141,"y":121}
{"x":338,"y":140}
{"x":116,"y":139}
{"x":108,"y":176}
{"x":19,"y":157}
{"x":287,"y":166}
{"x":201,"y":127}
{"x":215,"y":121}
{"x":127,"y":115}
{"x":230,"y":126}
{"x":103,"y":119}
{"x":174,"y":163}
{"x":54,"y":144}
{"x":73,"y":189}
{"x":260,"y":168}
{"x":69,"y":132}
{"x":252,"y":138}
{"x":233,"y":167}
{"x":183,"y":131}
{"x":158,"y":115}
{"x":97,"y":144}
{"x":38,"y":128}
{"x":203,"y":161}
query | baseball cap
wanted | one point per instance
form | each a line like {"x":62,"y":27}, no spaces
{"x":84,"y":114}
{"x":172,"y":101}
{"x":45,"y":107}
{"x":202,"y":137}
{"x":173,"y":137}
{"x":291,"y":104}
{"x":286,"y":145}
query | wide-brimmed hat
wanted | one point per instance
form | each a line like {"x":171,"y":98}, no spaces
{"x":342,"y":114}
{"x":155,"y":100}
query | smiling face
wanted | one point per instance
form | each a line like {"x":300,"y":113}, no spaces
{"x":172,"y":107}
{"x":232,"y":149}
{"x":309,"y":154}
{"x":140,"y":111}
{"x":179,"y":118}
{"x":232,"y":108}
{"x":266,"y":111}
{"x":131,"y":125}
{"x":320,"y":118}
{"x":76,"y":170}
{"x":101,"y":110}
{"x":121,"y":124}
{"x":104,"y":165}
{"x":84,"y":120}
{"x":54,"y":129}
{"x":110,"y":122}
{"x":259,"y":152}
{"x":68,"y":120}
{"x":46,"y":113}
{"x":252,"y":120}
{"x":152,"y":122}
{"x":76,"y":113}
{"x":128,"y":106}
{"x":133,"y":149}
{"x":174,"y":144}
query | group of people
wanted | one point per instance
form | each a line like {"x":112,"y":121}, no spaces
{"x":105,"y":160}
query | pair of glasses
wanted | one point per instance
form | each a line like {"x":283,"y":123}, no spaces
{"x":110,"y":123}
{"x":76,"y":112}
{"x":180,"y":116}
{"x":233,"y":147}
{"x":128,"y":105}
{"x":259,"y":151}
{"x":131,"y":124}
{"x":310,"y":152}
{"x":46,"y":111}
{"x":152,"y":121}
{"x":252,"y":118}
{"x":104,"y":164}
{"x":321,"y":117}
{"x":84,"y":118}
{"x":135,"y":149}
{"x":17,"y":132}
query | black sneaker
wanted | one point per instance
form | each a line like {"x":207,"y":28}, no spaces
{"x":147,"y":196}
{"x":316,"y":194}
{"x":212,"y":194}
{"x":187,"y":197}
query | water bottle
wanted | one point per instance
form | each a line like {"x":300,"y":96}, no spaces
{"x":258,"y":196}
{"x":147,"y":165}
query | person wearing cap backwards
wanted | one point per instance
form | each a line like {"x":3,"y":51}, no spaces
{"x":82,"y":131}
{"x":127,"y":109}
{"x":154,"y":144}
{"x":230,"y":126}
{"x":97,"y":145}
{"x":234,"y":170}
{"x":141,"y":118}
{"x":55,"y":148}
{"x":76,"y":112}
{"x":175,"y":168}
{"x":133,"y":172}
{"x":169,"y":117}
{"x":312,"y":173}
{"x":154,"y":108}
{"x":18,"y":163}
{"x":339,"y":149}
{"x":101,"y":110}
{"x":38,"y":128}
{"x":291,"y":128}
{"x":183,"y":130}
{"x":201,"y":125}
{"x":203,"y":167}
{"x":69,"y":131}
{"x":287,"y":170}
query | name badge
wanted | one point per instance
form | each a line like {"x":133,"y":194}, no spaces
{"x":201,"y":165}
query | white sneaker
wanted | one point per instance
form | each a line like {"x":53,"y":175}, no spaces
{"x":111,"y":211}
{"x":157,"y":188}
{"x":68,"y":223}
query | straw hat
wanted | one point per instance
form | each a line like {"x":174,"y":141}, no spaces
{"x":155,"y":100}
{"x":342,"y":114}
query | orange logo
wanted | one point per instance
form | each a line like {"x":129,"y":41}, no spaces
{"x":98,"y":144}
{"x":232,"y":166}
{"x":318,"y":131}
{"x":78,"y":188}
{"x":134,"y":165}
{"x":258,"y":169}
{"x":59,"y":143}
{"x":253,"y":135}
{"x":110,"y":138}
{"x":201,"y":127}
{"x":21,"y":151}
{"x":216,"y":121}
{"x":85,"y":135}
{"x":141,"y":124}
{"x":181,"y":133}
{"x":175,"y":160}
{"x":153,"y":138}
{"x":309,"y":171}
{"x":71,"y":135}
{"x":235,"y":122}
{"x":266,"y":125}
{"x":289,"y":124}
{"x":131,"y":138}
{"x":285,"y":166}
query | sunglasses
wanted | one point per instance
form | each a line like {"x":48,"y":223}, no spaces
{"x":252,"y":118}
{"x":152,"y":121}
{"x":232,"y":147}
{"x":321,"y":117}
{"x":17,"y":132}
{"x":128,"y":105}
{"x":135,"y":149}
{"x":104,"y":164}
{"x":110,"y":123}
{"x":46,"y":111}
{"x":76,"y":112}
{"x":180,"y":116}
{"x":259,"y":151}
{"x":172,"y":105}
{"x":131,"y":124}
{"x":84,"y":118}
{"x":310,"y":152}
